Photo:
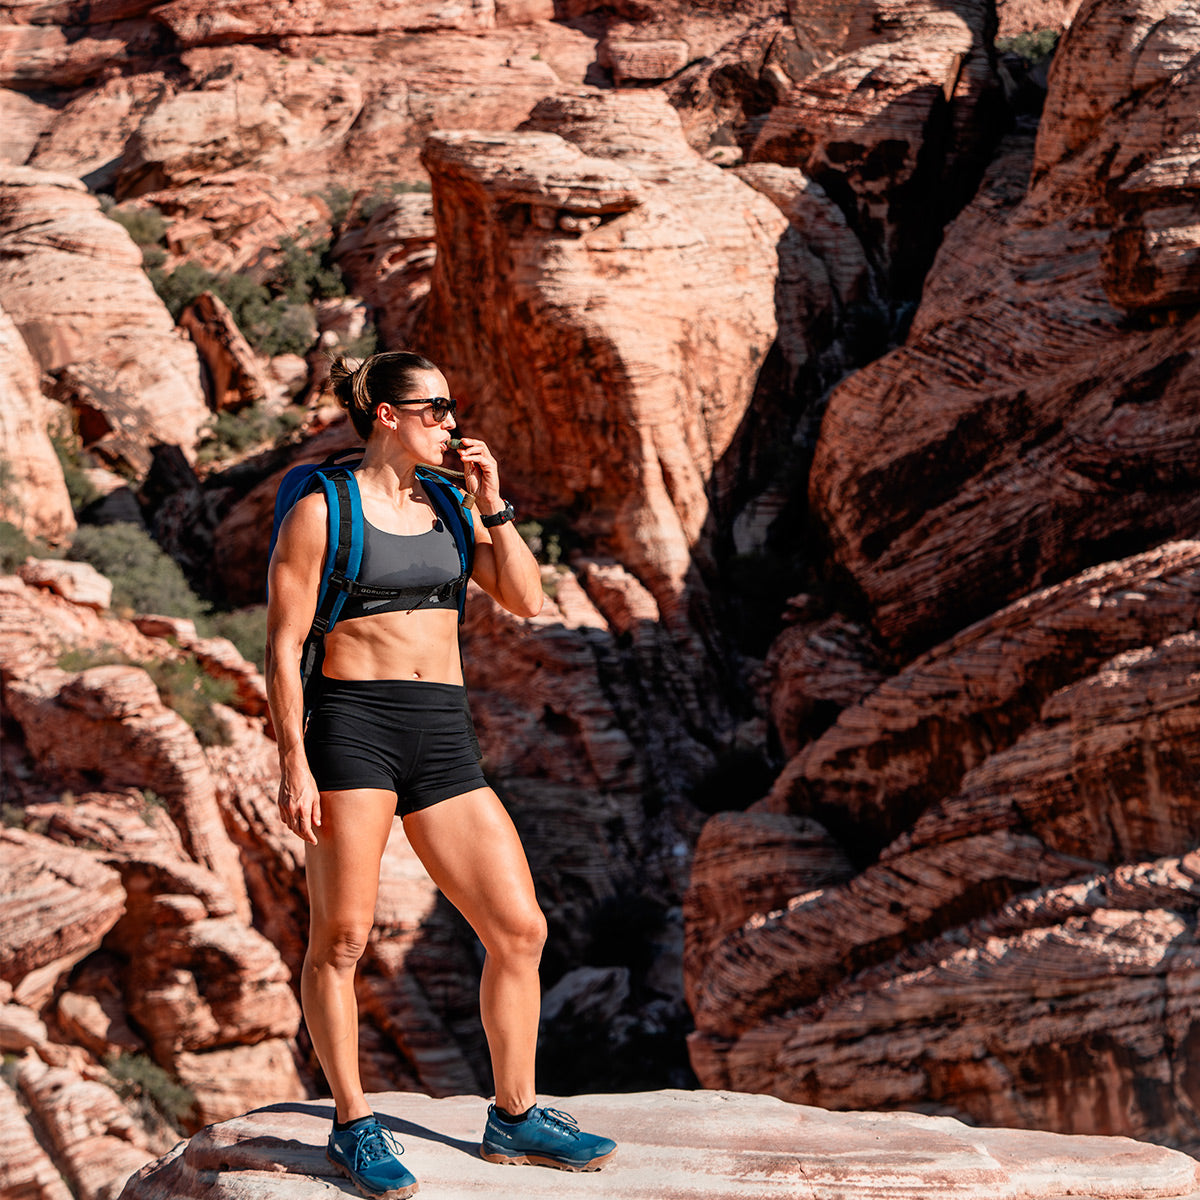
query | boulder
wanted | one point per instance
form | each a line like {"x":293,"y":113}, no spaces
{"x":247,"y":106}
{"x":78,"y":582}
{"x":97,"y":1143}
{"x":647,"y":366}
{"x":896,"y":125}
{"x":26,"y":1170}
{"x":1096,"y":776}
{"x":197,"y":24}
{"x":234,"y":378}
{"x":1027,"y":426}
{"x":58,"y":904}
{"x":389,"y":260}
{"x":1031,"y":16}
{"x":33,"y":495}
{"x":912,"y":739}
{"x":110,"y":723}
{"x":105,"y":335}
{"x":694,"y":1145}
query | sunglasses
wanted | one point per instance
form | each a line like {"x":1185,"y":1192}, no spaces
{"x":439,"y":406}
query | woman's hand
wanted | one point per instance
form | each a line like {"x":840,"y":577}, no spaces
{"x":300,"y":803}
{"x":481,"y":474}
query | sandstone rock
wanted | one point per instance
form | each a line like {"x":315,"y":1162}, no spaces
{"x":198,"y":984}
{"x":109,"y":721}
{"x":816,"y":670}
{"x":119,"y":359}
{"x":390,"y":262}
{"x":1057,"y":429}
{"x":20,"y":1028}
{"x":748,"y":863}
{"x":643,"y":61}
{"x":26,"y":1170}
{"x":1152,"y":258}
{"x":233,"y":220}
{"x":248,"y":107}
{"x":615,"y":184}
{"x":46,"y":55}
{"x":913,"y":738}
{"x":234,"y":377}
{"x":988,"y":1018}
{"x":246,"y":776}
{"x":33,"y":496}
{"x":1023,"y":16}
{"x":59,"y":903}
{"x":37,"y":626}
{"x":1102,"y":777}
{"x":426,"y":83}
{"x":195,"y":24}
{"x":703,"y":1144}
{"x":230,"y":1080}
{"x":96,"y":1141}
{"x":78,"y":582}
{"x":900,"y":113}
{"x":23,"y":121}
{"x":86,"y":136}
{"x":96,"y":1019}
{"x":723,"y":97}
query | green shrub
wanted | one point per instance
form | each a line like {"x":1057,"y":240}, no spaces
{"x":285,"y":329}
{"x":139,"y":1078}
{"x":183,"y":685}
{"x":306,"y":273}
{"x":74,"y":461}
{"x":338,"y":199}
{"x":187,"y":688}
{"x":79,"y":659}
{"x":1033,"y":46}
{"x":146,"y":226}
{"x":230,"y":434}
{"x":383,"y":192}
{"x":246,"y":628}
{"x":15,"y":547}
{"x":145,"y":578}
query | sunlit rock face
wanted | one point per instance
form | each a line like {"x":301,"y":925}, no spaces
{"x":1028,"y":427}
{"x":605,"y":316}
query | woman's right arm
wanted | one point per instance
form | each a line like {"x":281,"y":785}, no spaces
{"x":293,"y":580}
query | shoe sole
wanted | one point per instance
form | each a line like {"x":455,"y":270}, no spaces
{"x":394,"y":1194}
{"x":539,"y":1160}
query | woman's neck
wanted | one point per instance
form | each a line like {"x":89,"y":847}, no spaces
{"x":386,"y":474}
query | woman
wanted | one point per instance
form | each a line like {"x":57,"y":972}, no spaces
{"x":389,"y":734}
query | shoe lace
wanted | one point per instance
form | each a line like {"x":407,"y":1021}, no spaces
{"x":568,"y":1122}
{"x":374,"y":1142}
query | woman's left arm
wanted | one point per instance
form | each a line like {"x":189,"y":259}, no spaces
{"x":504,"y":566}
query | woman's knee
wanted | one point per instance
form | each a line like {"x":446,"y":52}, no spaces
{"x":337,"y":944}
{"x":520,"y":935}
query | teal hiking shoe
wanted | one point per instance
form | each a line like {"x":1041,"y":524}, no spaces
{"x":370,"y":1156}
{"x":546,"y":1138}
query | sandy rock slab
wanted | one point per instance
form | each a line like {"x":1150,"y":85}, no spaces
{"x":679,"y":1144}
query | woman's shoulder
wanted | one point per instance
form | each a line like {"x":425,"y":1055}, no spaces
{"x":306,"y":519}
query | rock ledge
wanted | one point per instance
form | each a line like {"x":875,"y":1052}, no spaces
{"x":683,"y":1144}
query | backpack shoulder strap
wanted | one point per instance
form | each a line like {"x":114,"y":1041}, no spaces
{"x":449,"y":502}
{"x":343,"y":558}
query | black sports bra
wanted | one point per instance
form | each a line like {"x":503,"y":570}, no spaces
{"x":412,"y":561}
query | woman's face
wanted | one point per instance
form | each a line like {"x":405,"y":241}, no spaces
{"x":415,"y":427}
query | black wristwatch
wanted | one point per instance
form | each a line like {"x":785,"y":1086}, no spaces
{"x":507,"y":513}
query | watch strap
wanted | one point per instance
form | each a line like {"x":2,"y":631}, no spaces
{"x":507,"y":513}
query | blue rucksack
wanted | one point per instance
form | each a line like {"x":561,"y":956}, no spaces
{"x":343,"y":559}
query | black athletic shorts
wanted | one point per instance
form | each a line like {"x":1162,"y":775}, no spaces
{"x":407,"y":736}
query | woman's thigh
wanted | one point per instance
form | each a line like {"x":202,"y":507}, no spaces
{"x":472,"y":851}
{"x":343,"y":867}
